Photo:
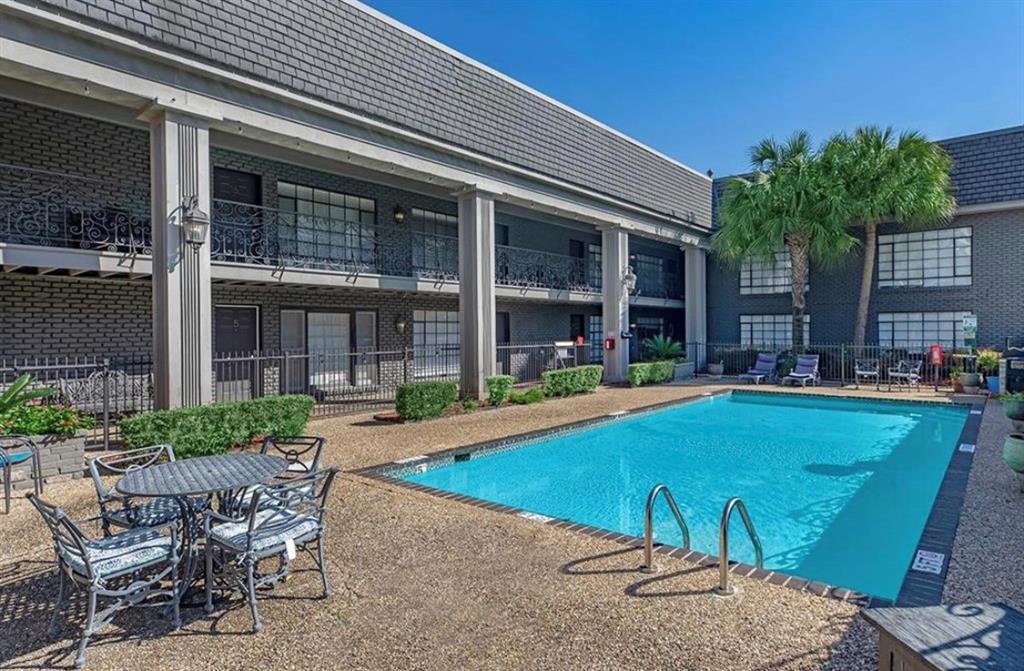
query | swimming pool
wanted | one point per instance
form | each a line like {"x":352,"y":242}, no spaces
{"x":838,"y":489}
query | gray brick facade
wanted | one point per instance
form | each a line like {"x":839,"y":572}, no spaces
{"x":347,"y":56}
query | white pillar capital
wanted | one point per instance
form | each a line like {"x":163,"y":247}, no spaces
{"x":477,"y":349}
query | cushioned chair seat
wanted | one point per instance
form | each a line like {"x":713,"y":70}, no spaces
{"x":148,"y":513}
{"x":123,"y":552}
{"x":15,"y":457}
{"x":268,"y":537}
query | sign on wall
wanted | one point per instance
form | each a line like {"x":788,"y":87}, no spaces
{"x":970,"y":327}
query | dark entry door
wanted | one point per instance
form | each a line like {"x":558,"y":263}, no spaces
{"x":236,"y":341}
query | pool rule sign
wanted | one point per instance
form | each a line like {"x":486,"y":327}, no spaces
{"x":970,"y":329}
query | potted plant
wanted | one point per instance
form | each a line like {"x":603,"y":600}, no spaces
{"x":716,"y":370}
{"x":988,"y":364}
{"x":1013,"y":405}
{"x":1013,"y":452}
{"x":971,"y":382}
{"x":955,"y":379}
{"x":58,"y":430}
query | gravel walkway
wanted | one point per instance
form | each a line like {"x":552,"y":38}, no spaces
{"x":424,"y":583}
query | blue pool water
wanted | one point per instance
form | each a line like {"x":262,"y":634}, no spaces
{"x":839,"y":490}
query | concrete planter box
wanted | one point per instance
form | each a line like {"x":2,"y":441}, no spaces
{"x":684,"y":371}
{"x":60,"y":459}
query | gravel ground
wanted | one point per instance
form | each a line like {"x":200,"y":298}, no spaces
{"x":424,"y":583}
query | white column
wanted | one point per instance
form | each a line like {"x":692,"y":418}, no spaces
{"x":696,"y":298}
{"x":179,"y":147}
{"x":615,"y":304}
{"x":477,"y":351}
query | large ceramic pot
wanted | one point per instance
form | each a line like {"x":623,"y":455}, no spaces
{"x":684,"y":371}
{"x":1013,"y":408}
{"x":1013,"y":451}
{"x":716,"y":370}
{"x":971,"y":382}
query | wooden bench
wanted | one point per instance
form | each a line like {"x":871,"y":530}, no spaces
{"x":964,"y":637}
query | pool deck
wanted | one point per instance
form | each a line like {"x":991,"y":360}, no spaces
{"x":423,"y":582}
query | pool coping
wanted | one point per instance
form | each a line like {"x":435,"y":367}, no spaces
{"x":923,"y":581}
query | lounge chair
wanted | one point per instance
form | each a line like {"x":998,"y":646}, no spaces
{"x":806,"y":370}
{"x":764,"y":368}
{"x":906,"y":373}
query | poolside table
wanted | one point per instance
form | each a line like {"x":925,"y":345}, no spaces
{"x":193,"y":482}
{"x":964,"y":637}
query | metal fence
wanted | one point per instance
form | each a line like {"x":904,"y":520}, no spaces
{"x":106,"y":388}
{"x":527,"y":362}
{"x":839,"y":363}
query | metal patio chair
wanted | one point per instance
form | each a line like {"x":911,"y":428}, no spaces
{"x":117,"y":510}
{"x":303,"y":456}
{"x":14,"y":450}
{"x":126,"y":568}
{"x":866,"y":369}
{"x":282,"y":518}
{"x":906,"y":373}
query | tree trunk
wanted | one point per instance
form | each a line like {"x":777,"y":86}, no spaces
{"x":799,"y":255}
{"x":867,"y":276}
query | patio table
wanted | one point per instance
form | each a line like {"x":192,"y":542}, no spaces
{"x":190,"y":480}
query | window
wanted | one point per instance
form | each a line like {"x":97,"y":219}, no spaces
{"x":595,"y":336}
{"x":939,"y":258}
{"x":436,"y":252}
{"x":594,"y":265}
{"x":650,"y":273}
{"x":503,"y":328}
{"x":773,"y":330}
{"x":325,"y":225}
{"x":761,"y":276}
{"x":648,"y":327}
{"x":921,"y":329}
{"x":435,"y":343}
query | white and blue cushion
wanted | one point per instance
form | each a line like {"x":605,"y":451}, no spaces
{"x":123,"y":552}
{"x":268,"y":536}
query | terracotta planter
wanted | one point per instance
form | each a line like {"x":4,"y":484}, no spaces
{"x":1013,"y":408}
{"x":1013,"y":451}
{"x":59,"y":459}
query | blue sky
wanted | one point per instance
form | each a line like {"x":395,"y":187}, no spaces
{"x":702,"y":81}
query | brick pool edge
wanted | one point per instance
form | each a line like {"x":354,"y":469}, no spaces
{"x":918,"y":587}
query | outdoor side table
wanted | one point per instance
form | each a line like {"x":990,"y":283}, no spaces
{"x":192,"y":480}
{"x":987,"y":636}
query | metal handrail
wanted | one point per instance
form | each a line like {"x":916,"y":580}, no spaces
{"x":724,"y":588}
{"x":649,"y":524}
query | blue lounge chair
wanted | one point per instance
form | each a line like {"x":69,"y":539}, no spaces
{"x":763,"y":369}
{"x":806,"y":370}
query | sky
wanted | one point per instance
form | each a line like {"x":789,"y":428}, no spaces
{"x":703,"y":81}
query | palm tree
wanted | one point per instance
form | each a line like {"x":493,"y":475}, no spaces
{"x":883,"y":177}
{"x":786,"y":203}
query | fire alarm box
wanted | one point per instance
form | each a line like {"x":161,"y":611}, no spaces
{"x":609,"y":343}
{"x":935,"y":355}
{"x":579,"y":340}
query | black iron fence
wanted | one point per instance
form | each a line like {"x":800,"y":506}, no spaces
{"x":106,"y":388}
{"x":842,"y":364}
{"x":527,"y":362}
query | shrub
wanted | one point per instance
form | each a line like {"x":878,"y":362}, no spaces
{"x":569,"y":381}
{"x":498,"y":388}
{"x":662,"y":348}
{"x":988,"y":361}
{"x":650,"y":373}
{"x":422,"y":400}
{"x":212,"y":429}
{"x":470,"y":404}
{"x":34,"y":419}
{"x":535,"y":395}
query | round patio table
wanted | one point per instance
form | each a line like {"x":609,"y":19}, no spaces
{"x":193,"y":482}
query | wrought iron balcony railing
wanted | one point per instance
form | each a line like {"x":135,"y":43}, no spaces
{"x":658,"y":285}
{"x":50,"y":209}
{"x":529,"y":268}
{"x":261,"y":235}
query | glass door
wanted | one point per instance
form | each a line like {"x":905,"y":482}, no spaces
{"x":365,"y":370}
{"x":293,"y":342}
{"x":328,"y":343}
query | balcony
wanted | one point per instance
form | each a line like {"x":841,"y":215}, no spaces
{"x":49,"y":209}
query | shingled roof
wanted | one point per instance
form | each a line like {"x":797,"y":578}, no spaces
{"x":352,"y":56}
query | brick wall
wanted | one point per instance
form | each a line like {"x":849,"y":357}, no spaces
{"x":994,"y":295}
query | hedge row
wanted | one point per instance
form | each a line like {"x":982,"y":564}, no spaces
{"x":652,"y":372}
{"x":569,"y":381}
{"x":212,"y":429}
{"x":422,"y":400}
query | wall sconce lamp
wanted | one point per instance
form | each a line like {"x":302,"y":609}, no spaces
{"x":401,"y":325}
{"x":629,"y":280}
{"x":399,"y":214}
{"x":194,"y":222}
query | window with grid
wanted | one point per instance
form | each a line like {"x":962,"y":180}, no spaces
{"x":772,"y":330}
{"x":436,"y":251}
{"x":920,"y":330}
{"x":594,"y":265}
{"x":595,"y":336}
{"x":648,"y":327}
{"x":326,"y":225}
{"x":940,"y":258}
{"x":766,"y":276}
{"x":650,"y":273}
{"x":435,"y":343}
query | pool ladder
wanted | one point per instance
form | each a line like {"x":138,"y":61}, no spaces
{"x":735,"y":503}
